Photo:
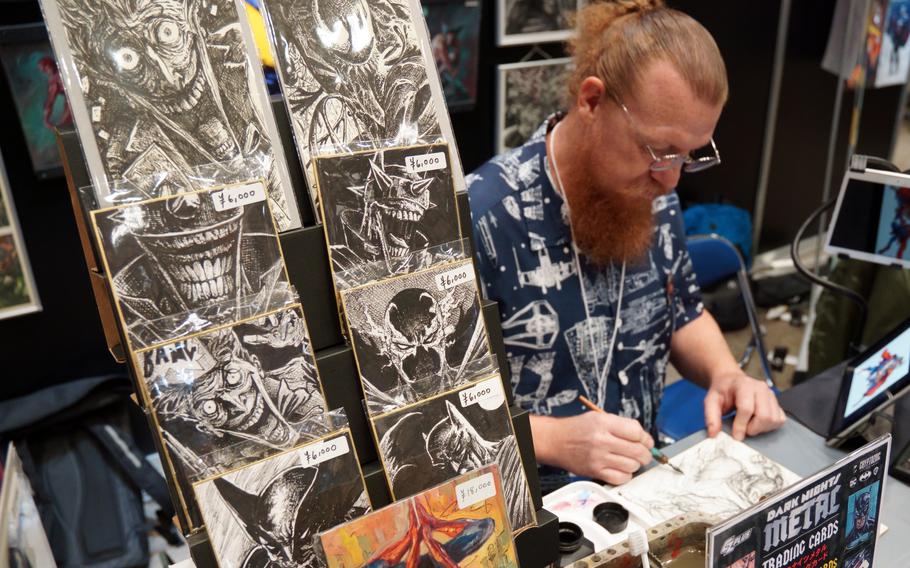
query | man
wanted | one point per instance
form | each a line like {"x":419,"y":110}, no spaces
{"x":591,"y":194}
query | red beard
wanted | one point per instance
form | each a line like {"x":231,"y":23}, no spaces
{"x":613,"y":225}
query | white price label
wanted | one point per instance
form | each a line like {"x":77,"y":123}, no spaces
{"x":238,"y":195}
{"x":425,"y":162}
{"x":455,"y":277}
{"x":475,"y":490}
{"x":96,"y":114}
{"x":315,"y":454}
{"x":487,"y":394}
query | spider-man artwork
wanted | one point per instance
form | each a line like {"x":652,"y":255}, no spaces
{"x":895,"y":229}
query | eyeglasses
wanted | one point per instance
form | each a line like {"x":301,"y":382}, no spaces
{"x":703,"y":158}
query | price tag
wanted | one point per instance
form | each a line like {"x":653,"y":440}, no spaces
{"x":238,"y":196}
{"x":425,"y":162}
{"x":454,"y":277}
{"x":475,"y":490}
{"x":96,"y":114}
{"x":488,"y":394}
{"x":315,"y":454}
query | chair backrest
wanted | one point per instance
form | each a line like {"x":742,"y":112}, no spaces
{"x":714,"y":258}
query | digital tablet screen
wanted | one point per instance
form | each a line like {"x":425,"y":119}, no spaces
{"x":873,"y":219}
{"x":878,"y":372}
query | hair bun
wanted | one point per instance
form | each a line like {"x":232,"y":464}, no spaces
{"x":623,"y":7}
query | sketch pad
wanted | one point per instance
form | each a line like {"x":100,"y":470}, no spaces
{"x":721,"y":477}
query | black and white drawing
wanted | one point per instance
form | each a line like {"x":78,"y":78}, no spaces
{"x":252,"y":381}
{"x":416,"y":335}
{"x":528,"y":93}
{"x":179,"y":263}
{"x":378,"y":210}
{"x":721,"y":477}
{"x":451,"y":434}
{"x":356,"y":71}
{"x":165,"y":86}
{"x":266,"y":514}
{"x":535,"y":21}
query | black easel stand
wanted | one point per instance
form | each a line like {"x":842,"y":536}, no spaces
{"x":308,"y":270}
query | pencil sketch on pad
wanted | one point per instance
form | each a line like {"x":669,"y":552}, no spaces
{"x":720,"y":477}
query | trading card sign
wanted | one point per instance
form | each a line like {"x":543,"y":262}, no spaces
{"x":208,"y":257}
{"x":830,"y":519}
{"x":451,"y":434}
{"x":462,"y":522}
{"x":267,"y":513}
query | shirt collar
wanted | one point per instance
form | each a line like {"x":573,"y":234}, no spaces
{"x":545,"y":214}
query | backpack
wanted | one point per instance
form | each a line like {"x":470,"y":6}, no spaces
{"x":728,"y":221}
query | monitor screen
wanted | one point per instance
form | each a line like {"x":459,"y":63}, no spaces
{"x":873,"y":219}
{"x":875,"y":374}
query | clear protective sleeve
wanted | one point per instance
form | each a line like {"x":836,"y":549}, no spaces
{"x":267,"y":511}
{"x":460,"y":522}
{"x":452,"y":433}
{"x":186,"y":262}
{"x":167,"y":86}
{"x":416,"y":331}
{"x":387,"y":205}
{"x":355,"y":72}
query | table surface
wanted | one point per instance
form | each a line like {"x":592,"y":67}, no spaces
{"x":804,"y":453}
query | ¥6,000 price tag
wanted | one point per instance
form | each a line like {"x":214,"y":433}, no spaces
{"x":454,"y":277}
{"x":487,"y":394}
{"x":425,"y":162}
{"x":475,"y":490}
{"x":315,"y":454}
{"x":238,"y":195}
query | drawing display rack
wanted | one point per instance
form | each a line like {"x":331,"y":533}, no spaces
{"x":309,"y":272}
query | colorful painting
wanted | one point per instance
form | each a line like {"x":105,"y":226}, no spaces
{"x":894,"y":222}
{"x":455,"y":40}
{"x":18,"y":295}
{"x":462,"y":522}
{"x":895,"y":55}
{"x":37,"y":91}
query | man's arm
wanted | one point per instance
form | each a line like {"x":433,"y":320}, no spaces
{"x":700,"y":352}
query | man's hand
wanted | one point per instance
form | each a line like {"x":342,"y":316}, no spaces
{"x":756,"y":406}
{"x":593,"y":444}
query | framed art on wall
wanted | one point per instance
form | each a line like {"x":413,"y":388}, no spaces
{"x":18,"y":293}
{"x":454,"y":27}
{"x":528,"y":92}
{"x":37,"y":91}
{"x":534,"y":21}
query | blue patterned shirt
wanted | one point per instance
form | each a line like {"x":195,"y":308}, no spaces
{"x":559,"y":340}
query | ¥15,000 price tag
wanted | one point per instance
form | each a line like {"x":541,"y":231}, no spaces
{"x":475,"y":490}
{"x":238,"y":195}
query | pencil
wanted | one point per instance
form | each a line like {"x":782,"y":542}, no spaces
{"x":657,"y":454}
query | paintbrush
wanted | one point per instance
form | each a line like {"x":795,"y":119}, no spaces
{"x":655,"y":453}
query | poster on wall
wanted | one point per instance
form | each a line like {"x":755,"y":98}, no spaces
{"x":454,"y":27}
{"x":37,"y":91}
{"x":829,"y":519}
{"x":528,"y":93}
{"x":18,"y":294}
{"x":534,"y":21}
{"x":168,"y":86}
{"x":894,"y":60}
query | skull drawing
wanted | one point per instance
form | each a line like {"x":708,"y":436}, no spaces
{"x":395,"y":204}
{"x":415,"y":336}
{"x":195,"y":245}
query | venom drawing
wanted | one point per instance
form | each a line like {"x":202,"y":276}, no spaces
{"x":414,"y":338}
{"x":354,"y":70}
{"x":376,"y":212}
{"x":266,"y":514}
{"x":180,"y":255}
{"x":430,"y":442}
{"x":167,"y":86}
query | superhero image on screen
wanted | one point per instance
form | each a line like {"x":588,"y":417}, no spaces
{"x":355,"y":70}
{"x":160,"y":86}
{"x":878,"y":372}
{"x":378,"y":210}
{"x":894,"y":225}
{"x":451,"y":434}
{"x":37,"y":91}
{"x":266,"y":514}
{"x":454,"y":27}
{"x":862,"y":516}
{"x":894,"y":62}
{"x":187,"y":255}
{"x":462,"y":522}
{"x":253,"y":381}
{"x":416,"y":335}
